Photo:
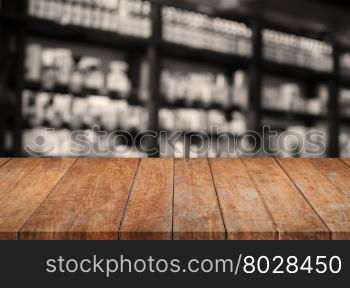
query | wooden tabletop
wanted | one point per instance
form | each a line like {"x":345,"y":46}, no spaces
{"x":232,"y":199}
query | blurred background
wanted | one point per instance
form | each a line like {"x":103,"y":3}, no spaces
{"x":180,"y":65}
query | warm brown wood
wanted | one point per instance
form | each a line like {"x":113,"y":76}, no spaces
{"x":24,"y":184}
{"x":4,"y":161}
{"x":346,"y":161}
{"x":294,"y":217}
{"x":244,"y":212}
{"x":326,"y":185}
{"x":197,"y":214}
{"x":174,"y":199}
{"x":88,"y":204}
{"x":149,"y":212}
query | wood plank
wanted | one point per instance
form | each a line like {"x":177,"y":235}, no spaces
{"x":149,"y":212}
{"x":24,"y":185}
{"x":326,"y":185}
{"x":346,"y":161}
{"x":4,"y":161}
{"x":245,"y":214}
{"x":197,"y":214}
{"x":294,"y":217}
{"x":87,"y":205}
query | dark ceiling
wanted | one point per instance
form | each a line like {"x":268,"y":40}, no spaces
{"x":336,"y":3}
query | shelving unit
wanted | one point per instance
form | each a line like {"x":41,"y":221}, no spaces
{"x":84,"y":35}
{"x":10,"y":18}
{"x":224,"y":60}
{"x":156,"y":50}
{"x":344,"y":82}
{"x":290,"y":115}
{"x":13,"y":26}
{"x":178,"y":105}
{"x":294,"y":72}
{"x":63,"y":89}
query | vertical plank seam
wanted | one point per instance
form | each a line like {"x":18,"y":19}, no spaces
{"x":173,"y":204}
{"x":79,"y":207}
{"x":4,"y":163}
{"x":96,"y":183}
{"x":305,"y":197}
{"x":331,"y":182}
{"x":346,"y":164}
{"x":273,"y":220}
{"x":326,"y":177}
{"x":47,"y":196}
{"x":218,"y":199}
{"x":132,"y":184}
{"x":18,"y":179}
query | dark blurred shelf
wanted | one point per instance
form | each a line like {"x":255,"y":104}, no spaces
{"x":225,"y":61}
{"x":345,"y":120}
{"x":48,"y":28}
{"x":11,"y":18}
{"x":344,"y":82}
{"x":63,"y":89}
{"x":203,"y":9}
{"x":51,"y":29}
{"x":130,"y":138}
{"x":295,"y":72}
{"x":210,"y":134}
{"x":204,"y":56}
{"x":137,"y":102}
{"x":200,"y":106}
{"x":194,"y":134}
{"x":291,"y":115}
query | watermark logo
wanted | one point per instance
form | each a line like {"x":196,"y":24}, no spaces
{"x":184,"y":144}
{"x":40,"y":147}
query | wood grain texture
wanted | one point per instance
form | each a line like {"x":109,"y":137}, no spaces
{"x":197,"y":214}
{"x":4,"y":161}
{"x":346,"y":161}
{"x":24,"y":184}
{"x":326,"y":185}
{"x":244,"y":212}
{"x":294,"y":217}
{"x":174,"y":199}
{"x":87,"y":205}
{"x":149,"y":212}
